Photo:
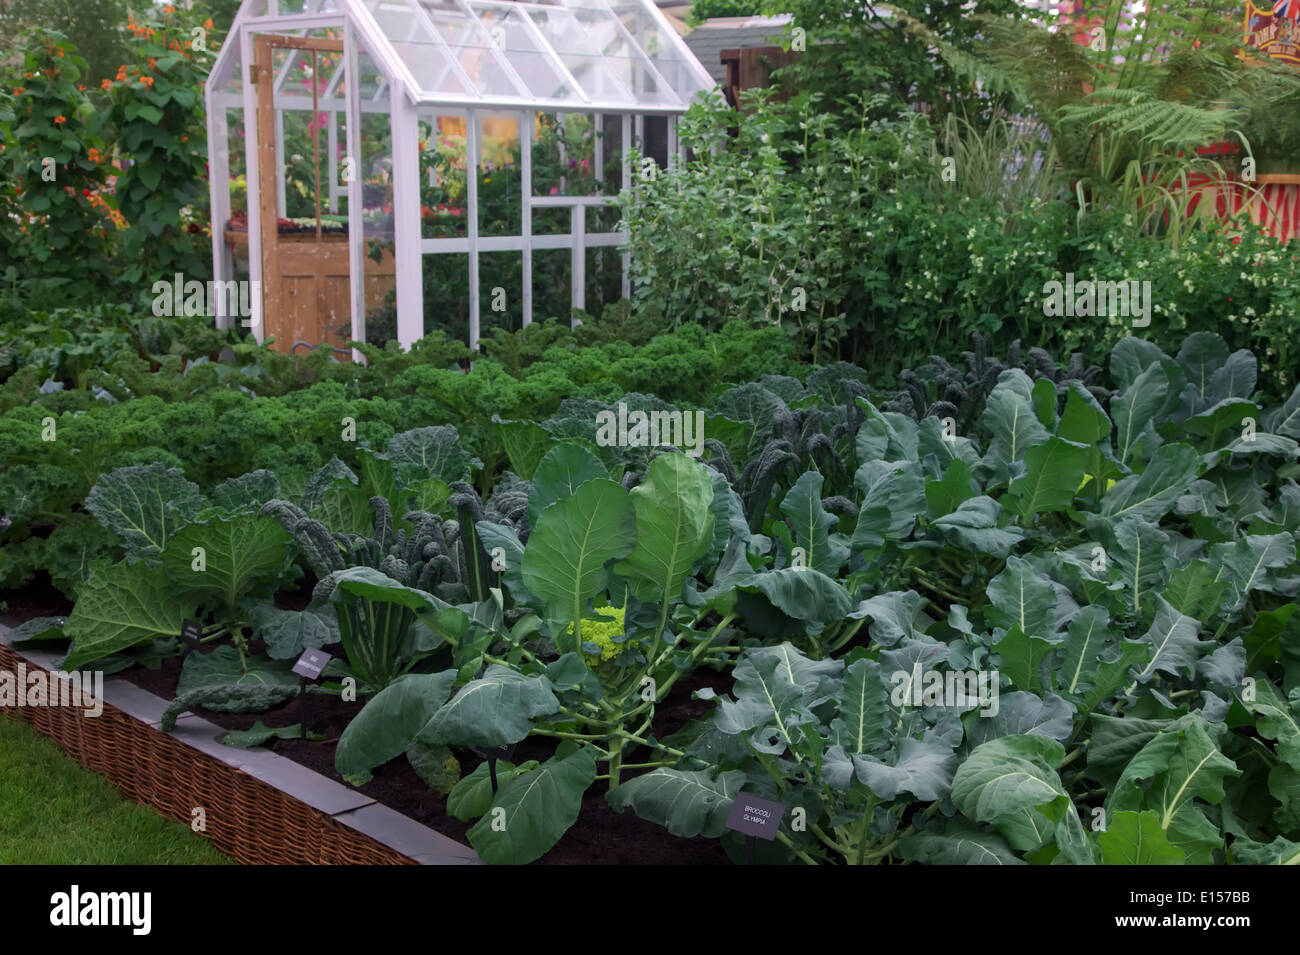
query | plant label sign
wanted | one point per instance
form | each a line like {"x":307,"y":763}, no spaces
{"x":755,"y":816}
{"x":311,"y":663}
{"x":191,"y":630}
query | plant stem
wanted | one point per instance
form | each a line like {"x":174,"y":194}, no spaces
{"x":799,"y":853}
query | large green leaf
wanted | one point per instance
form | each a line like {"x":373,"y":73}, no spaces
{"x":496,"y":710}
{"x":800,"y":592}
{"x":674,"y":527}
{"x":472,"y":795}
{"x":1020,"y":596}
{"x":1193,"y":589}
{"x":525,"y":444}
{"x":1285,"y":419}
{"x":768,"y":703}
{"x":429,"y":452}
{"x":144,"y":506}
{"x":686,"y":803}
{"x":246,"y":492}
{"x":559,"y":474}
{"x":973,"y":527}
{"x":564,"y":562}
{"x":949,"y":492}
{"x":538,"y":807}
{"x":1012,"y":783}
{"x":1141,"y":558}
{"x":1136,"y":838}
{"x":1010,"y":418}
{"x":390,"y":722}
{"x":119,"y":607}
{"x":893,"y":496}
{"x":1152,"y":494}
{"x":812,"y":524}
{"x":1021,"y":657}
{"x":1083,"y":421}
{"x":1201,"y":355}
{"x":1246,"y":562}
{"x":1278,"y":852}
{"x":1053,"y":471}
{"x":1278,"y":719}
{"x":893,"y":615}
{"x":1177,"y":767}
{"x":957,"y":842}
{"x":1134,"y":409}
{"x":287,"y":633}
{"x":922,"y":768}
{"x":1086,"y":637}
{"x":864,"y":715}
{"x":236,"y":553}
{"x":1173,"y":641}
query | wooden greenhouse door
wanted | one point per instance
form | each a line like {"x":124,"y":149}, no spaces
{"x":305,"y":277}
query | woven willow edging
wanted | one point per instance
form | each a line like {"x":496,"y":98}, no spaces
{"x":248,"y":814}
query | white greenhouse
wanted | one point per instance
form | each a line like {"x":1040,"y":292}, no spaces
{"x":384,"y":168}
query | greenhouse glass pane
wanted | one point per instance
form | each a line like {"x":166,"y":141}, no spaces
{"x":580,"y":53}
{"x":467,"y":44}
{"x":411,"y":36}
{"x":663,"y":48}
{"x":507,"y":26}
{"x":620,"y":52}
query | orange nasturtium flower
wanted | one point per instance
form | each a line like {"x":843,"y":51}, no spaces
{"x":60,"y":120}
{"x":147,"y":80}
{"x":106,"y":84}
{"x":93,"y":154}
{"x":208,"y":23}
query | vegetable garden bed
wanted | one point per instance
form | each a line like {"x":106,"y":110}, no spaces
{"x":800,"y":609}
{"x":246,"y":811}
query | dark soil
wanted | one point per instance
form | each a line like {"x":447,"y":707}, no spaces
{"x":601,"y":836}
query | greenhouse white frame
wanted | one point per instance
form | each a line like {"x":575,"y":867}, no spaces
{"x":598,"y":57}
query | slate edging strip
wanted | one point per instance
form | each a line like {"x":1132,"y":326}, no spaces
{"x":399,"y":834}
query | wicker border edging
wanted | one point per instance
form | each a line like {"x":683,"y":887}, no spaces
{"x":260,"y":808}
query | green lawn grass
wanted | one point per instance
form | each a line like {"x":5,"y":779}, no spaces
{"x":52,"y":811}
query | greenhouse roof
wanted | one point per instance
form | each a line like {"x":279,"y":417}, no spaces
{"x":614,"y":55}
